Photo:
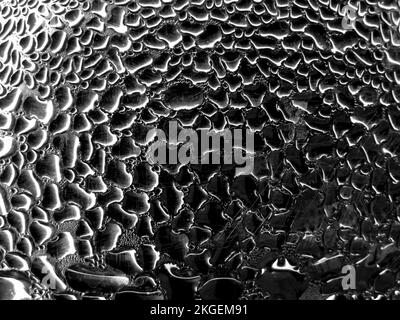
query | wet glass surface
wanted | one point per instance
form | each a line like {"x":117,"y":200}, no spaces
{"x":84,"y":215}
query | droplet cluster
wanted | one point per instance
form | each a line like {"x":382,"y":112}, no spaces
{"x":83,"y":215}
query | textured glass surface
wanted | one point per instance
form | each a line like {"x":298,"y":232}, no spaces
{"x":85,"y":214}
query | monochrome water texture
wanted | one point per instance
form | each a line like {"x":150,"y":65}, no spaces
{"x":309,"y":211}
